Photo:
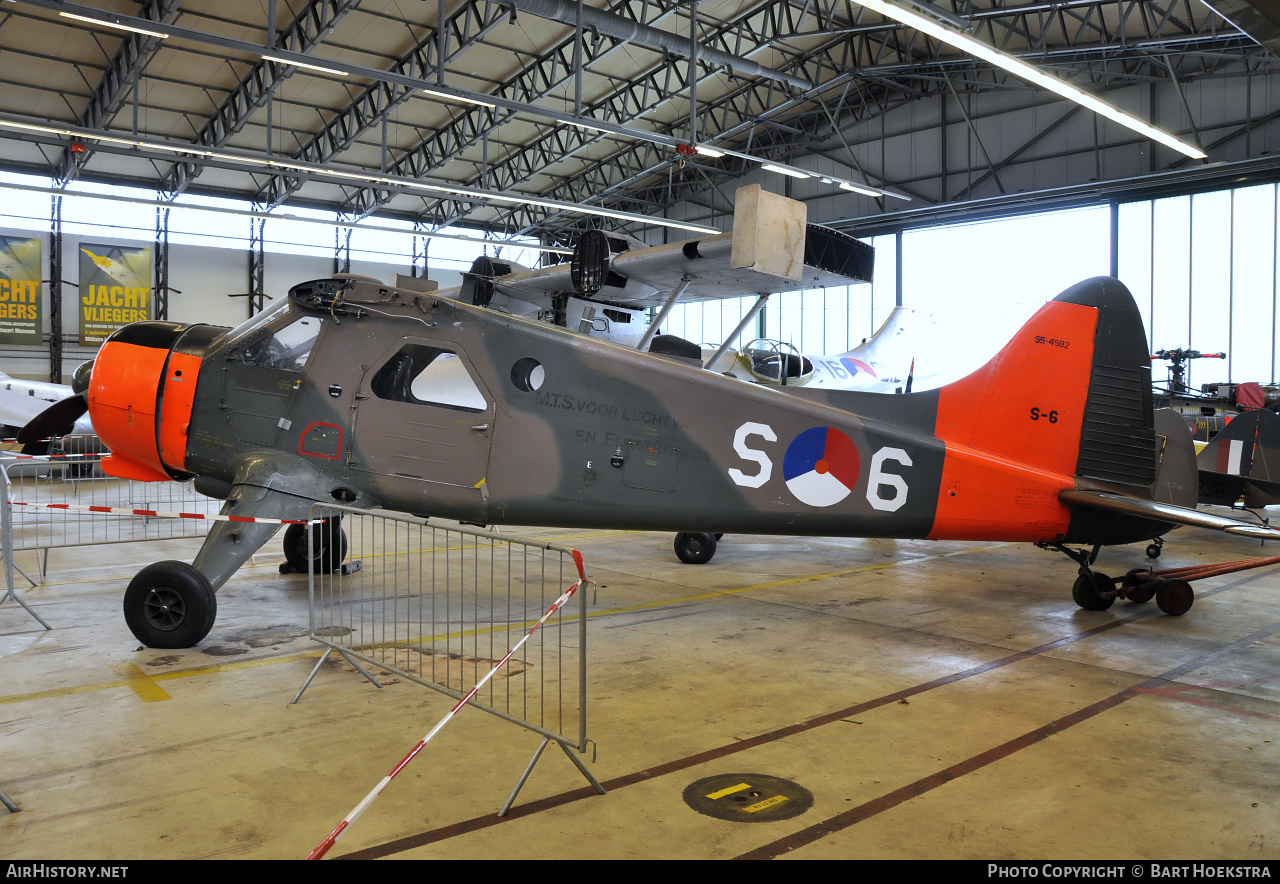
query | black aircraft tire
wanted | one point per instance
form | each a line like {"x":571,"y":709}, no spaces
{"x":1086,"y":594}
{"x":170,"y":605}
{"x":1175,"y":597}
{"x":695,"y":549}
{"x":329,"y":556}
{"x":1153,"y":551}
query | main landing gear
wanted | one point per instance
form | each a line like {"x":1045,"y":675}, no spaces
{"x":170,"y":605}
{"x":1095,"y":591}
{"x":173,"y":604}
{"x":696,"y":549}
{"x":328,"y":548}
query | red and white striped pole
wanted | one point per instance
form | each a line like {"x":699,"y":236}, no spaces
{"x":323,"y":847}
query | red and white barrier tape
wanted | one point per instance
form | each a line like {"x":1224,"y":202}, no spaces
{"x":4,"y":455}
{"x":323,"y":847}
{"x":121,"y":511}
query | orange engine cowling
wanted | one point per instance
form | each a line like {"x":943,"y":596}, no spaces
{"x":140,"y":397}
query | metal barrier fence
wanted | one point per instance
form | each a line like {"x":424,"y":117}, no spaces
{"x":43,"y":503}
{"x":440,"y":606}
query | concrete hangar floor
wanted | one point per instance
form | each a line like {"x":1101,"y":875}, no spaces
{"x":936,"y":700}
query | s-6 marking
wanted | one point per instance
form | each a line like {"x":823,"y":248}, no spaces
{"x":825,"y":494}
{"x":1051,"y":416}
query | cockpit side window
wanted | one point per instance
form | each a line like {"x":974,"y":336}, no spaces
{"x":286,"y":348}
{"x":428,"y":376}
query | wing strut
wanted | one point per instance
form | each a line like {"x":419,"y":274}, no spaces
{"x":737,"y":332}
{"x":652,"y":330}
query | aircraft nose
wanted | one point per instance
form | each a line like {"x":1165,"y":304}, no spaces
{"x":144,"y":429}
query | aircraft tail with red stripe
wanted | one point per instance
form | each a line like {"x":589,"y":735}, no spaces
{"x":1066,"y":403}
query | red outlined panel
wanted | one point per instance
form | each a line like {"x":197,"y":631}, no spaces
{"x":319,"y":439}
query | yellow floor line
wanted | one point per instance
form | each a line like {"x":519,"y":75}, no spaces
{"x":140,"y":683}
{"x":131,"y":681}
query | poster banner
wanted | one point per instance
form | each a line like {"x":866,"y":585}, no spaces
{"x":115,"y":289}
{"x":21,"y":294}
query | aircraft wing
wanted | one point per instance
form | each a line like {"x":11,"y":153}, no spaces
{"x":1109,"y":501}
{"x":21,"y":401}
{"x":645,"y":277}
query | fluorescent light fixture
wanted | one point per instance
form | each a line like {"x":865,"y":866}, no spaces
{"x":571,"y":122}
{"x":30,"y":128}
{"x":448,"y":97}
{"x":89,"y":135}
{"x":708,"y":151}
{"x":783,"y":170}
{"x":1030,"y":73}
{"x":856,"y":188}
{"x":302,"y":64}
{"x":112,"y":24}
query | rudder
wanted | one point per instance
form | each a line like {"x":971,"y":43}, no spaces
{"x":1070,"y":393}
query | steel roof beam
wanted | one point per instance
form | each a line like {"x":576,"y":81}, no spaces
{"x":871,"y":50}
{"x":308,"y":29}
{"x":609,"y":176}
{"x":547,"y":73}
{"x":117,"y":82}
{"x":463,"y":29}
{"x":621,"y":107}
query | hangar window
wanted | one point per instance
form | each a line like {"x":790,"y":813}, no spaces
{"x":286,"y":348}
{"x":428,"y":376}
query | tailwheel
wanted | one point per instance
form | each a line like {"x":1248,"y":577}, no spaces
{"x":1153,"y":550}
{"x":1175,"y":597}
{"x":170,"y":605}
{"x":1136,"y":590}
{"x":328,"y":546}
{"x":1088,"y":591}
{"x":695,"y":549}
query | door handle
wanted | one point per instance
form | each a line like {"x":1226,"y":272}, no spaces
{"x":480,"y":428}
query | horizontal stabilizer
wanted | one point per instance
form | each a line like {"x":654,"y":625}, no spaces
{"x":1107,"y":501}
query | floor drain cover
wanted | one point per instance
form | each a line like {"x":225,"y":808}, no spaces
{"x":748,"y":798}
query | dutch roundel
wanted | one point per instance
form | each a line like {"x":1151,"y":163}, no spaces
{"x":857,"y":366}
{"x":821,"y":466}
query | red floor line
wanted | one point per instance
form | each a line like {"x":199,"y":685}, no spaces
{"x":1168,"y":694}
{"x":855,"y":815}
{"x":474,"y":824}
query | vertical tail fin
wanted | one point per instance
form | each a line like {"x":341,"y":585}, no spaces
{"x":1244,"y":458}
{"x":1070,"y":393}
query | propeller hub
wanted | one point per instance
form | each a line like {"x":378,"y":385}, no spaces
{"x":80,"y":380}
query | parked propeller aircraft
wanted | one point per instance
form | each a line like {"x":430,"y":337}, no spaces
{"x":370,"y":395}
{"x":1241,"y":464}
{"x":21,"y":401}
{"x":611,"y":281}
{"x":883,"y":363}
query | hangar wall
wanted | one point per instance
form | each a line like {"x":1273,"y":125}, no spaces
{"x":208,"y":269}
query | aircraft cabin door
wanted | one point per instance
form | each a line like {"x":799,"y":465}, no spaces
{"x":423,"y":415}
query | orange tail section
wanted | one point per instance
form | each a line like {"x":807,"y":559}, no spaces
{"x":1064,"y":398}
